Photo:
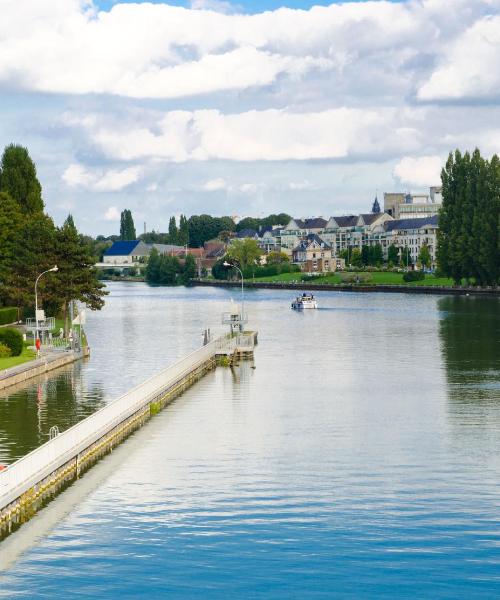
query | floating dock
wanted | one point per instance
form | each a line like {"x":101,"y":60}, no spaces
{"x":32,"y":481}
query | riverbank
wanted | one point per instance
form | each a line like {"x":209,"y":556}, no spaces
{"x":355,"y":287}
{"x":33,"y":368}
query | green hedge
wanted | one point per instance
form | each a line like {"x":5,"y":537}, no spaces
{"x":8,"y":315}
{"x":414,"y":276}
{"x":13,"y":339}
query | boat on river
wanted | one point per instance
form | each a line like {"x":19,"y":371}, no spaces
{"x":304,"y":301}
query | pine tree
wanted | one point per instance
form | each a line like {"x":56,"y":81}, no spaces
{"x":18,"y":178}
{"x":76,"y":278}
{"x":172,"y":231}
{"x":189,"y":269}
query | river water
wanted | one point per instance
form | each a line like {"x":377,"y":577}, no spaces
{"x":358,"y":456}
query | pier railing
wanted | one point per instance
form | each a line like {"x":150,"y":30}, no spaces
{"x":56,"y":452}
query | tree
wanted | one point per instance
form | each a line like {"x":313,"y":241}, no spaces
{"x":356,"y":260}
{"x":365,"y":255}
{"x":11,"y":220}
{"x":468,"y":234}
{"x":376,"y":255}
{"x":202,"y":228}
{"x":153,"y":267}
{"x":406,"y":260}
{"x":276,"y":258}
{"x":172,"y":231}
{"x":183,"y":235}
{"x":18,"y":179}
{"x":127,"y":227}
{"x":76,"y":278}
{"x":393,"y":254}
{"x":424,"y":256}
{"x":169,"y":269}
{"x":245,"y":252}
{"x":188,"y":269}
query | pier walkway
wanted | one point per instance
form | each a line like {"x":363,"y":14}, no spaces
{"x":33,"y":480}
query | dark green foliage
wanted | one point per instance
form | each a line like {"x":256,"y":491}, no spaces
{"x":469,"y":221}
{"x":372,"y":255}
{"x":172,"y":231}
{"x":258,"y":224}
{"x":127,"y":227}
{"x":424,"y":256}
{"x":183,"y":234}
{"x":355,"y":258}
{"x":202,"y":228}
{"x":413,"y":276}
{"x":154,"y":237}
{"x":13,"y":340}
{"x":219,"y":271}
{"x":8,"y":315}
{"x":167,"y":270}
{"x":393,"y":254}
{"x":18,"y":179}
{"x":406,"y":260}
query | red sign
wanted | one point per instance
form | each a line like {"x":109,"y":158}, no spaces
{"x":37,"y":344}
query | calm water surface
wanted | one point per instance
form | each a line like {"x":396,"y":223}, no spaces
{"x":359,"y":458}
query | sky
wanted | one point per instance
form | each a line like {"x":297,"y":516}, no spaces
{"x":248,"y":108}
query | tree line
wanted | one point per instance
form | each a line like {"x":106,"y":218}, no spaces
{"x":163,"y":269}
{"x":469,"y":221}
{"x":31,"y":243}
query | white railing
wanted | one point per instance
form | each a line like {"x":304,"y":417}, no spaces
{"x":47,"y":458}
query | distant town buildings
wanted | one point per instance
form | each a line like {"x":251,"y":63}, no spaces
{"x":317,"y":244}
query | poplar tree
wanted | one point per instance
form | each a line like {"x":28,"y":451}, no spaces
{"x":183,"y":235}
{"x":18,"y":179}
{"x":172,"y":231}
{"x":127,"y":227}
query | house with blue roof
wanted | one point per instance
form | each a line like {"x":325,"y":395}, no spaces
{"x":135,"y":252}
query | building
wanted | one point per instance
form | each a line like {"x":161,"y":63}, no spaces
{"x":298,"y":229}
{"x":401,"y":206}
{"x":412,"y":234}
{"x":314,"y":255}
{"x":134,"y":253}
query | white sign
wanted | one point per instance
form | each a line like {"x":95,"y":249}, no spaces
{"x":40,"y":315}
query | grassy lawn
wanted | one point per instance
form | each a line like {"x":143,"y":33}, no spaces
{"x":375,"y":278}
{"x":12,"y":361}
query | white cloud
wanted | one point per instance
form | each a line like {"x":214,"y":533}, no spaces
{"x":215,"y":185}
{"x":162,"y":51}
{"x":271,"y":134}
{"x":470,"y":67}
{"x":216,"y":6}
{"x":112,"y":214}
{"x":423,"y":171}
{"x":111,"y":180}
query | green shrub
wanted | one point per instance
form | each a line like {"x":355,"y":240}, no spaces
{"x":8,"y":315}
{"x":13,"y":339}
{"x":5,"y":351}
{"x":414,"y":276}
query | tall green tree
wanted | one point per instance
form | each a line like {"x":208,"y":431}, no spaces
{"x":183,"y":234}
{"x":127,"y":227}
{"x":406,"y":260}
{"x":424,"y":256}
{"x":376,"y":255}
{"x":172,"y":231}
{"x":188,"y":269}
{"x":18,"y":178}
{"x":76,"y":278}
{"x":469,"y":219}
{"x":393,"y":254}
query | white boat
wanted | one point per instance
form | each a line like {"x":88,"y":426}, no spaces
{"x":304,"y":301}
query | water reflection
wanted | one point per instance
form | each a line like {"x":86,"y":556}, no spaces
{"x":27,"y":412}
{"x":470,"y":344}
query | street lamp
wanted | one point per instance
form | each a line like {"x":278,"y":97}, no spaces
{"x":54,"y":268}
{"x":226,"y":264}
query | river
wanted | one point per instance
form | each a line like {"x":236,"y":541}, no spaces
{"x":358,"y":456}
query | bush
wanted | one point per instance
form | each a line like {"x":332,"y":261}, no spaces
{"x":413,"y":276}
{"x":13,"y":339}
{"x":8,"y":315}
{"x":5,"y":351}
{"x":356,"y":277}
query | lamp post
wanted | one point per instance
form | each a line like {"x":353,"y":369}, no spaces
{"x":226,"y":264}
{"x":54,"y":268}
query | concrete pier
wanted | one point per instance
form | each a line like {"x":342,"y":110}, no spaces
{"x":32,"y":481}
